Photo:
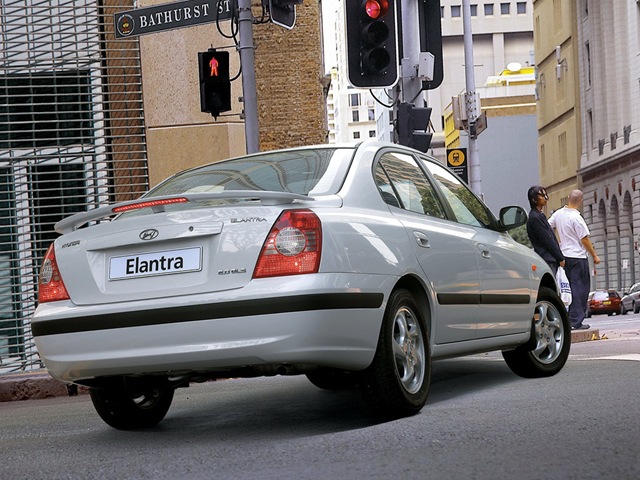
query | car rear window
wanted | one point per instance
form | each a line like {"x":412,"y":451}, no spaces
{"x":601,"y":296}
{"x":306,"y":172}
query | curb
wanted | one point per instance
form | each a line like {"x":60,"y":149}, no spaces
{"x":585,"y":335}
{"x":39,"y":385}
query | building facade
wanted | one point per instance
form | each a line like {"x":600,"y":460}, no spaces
{"x":608,"y":47}
{"x":558,"y":93}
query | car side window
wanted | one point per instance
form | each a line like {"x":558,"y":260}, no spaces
{"x":465,"y":205}
{"x":399,"y":175}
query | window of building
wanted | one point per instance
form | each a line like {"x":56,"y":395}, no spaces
{"x":354,"y":99}
{"x":356,"y":135}
{"x":371,"y":114}
{"x":562,"y":148}
{"x":587,"y":52}
{"x":45,"y":110}
{"x":590,"y":129}
{"x":488,"y":9}
{"x":521,"y":7}
{"x":441,"y":12}
{"x":505,"y":8}
{"x":474,"y":10}
{"x":355,"y":115}
{"x":372,"y":134}
{"x":455,"y":11}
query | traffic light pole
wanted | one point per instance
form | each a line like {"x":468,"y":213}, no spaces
{"x":471,"y":103}
{"x":249,"y":94}
{"x":411,"y":83}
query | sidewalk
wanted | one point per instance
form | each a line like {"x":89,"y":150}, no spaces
{"x":38,"y":385}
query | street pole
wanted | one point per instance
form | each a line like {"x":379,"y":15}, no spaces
{"x":247,"y":64}
{"x":471,"y":101}
{"x":411,"y":83}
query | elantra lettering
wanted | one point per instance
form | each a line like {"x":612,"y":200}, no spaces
{"x":157,"y":265}
{"x":248,"y":220}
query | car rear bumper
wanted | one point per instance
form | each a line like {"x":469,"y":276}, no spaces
{"x":333,"y":326}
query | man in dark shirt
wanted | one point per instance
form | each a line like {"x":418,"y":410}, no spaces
{"x":540,"y":234}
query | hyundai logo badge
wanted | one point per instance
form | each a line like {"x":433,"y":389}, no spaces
{"x":149,"y":234}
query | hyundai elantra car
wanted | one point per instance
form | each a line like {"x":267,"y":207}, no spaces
{"x":355,"y":265}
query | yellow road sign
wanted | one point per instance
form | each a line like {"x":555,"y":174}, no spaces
{"x":456,"y":157}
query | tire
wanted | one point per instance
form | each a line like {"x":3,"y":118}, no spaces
{"x":636,"y":308}
{"x":330,"y":379}
{"x":126,"y":405}
{"x":548,"y":349}
{"x":623,"y":311}
{"x":396,"y":384}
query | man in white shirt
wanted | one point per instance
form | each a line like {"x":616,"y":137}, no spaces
{"x":575,"y":244}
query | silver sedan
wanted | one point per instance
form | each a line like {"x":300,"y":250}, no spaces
{"x":355,"y":265}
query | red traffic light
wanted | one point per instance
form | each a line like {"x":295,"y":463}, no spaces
{"x":372,"y":46}
{"x":376,"y":8}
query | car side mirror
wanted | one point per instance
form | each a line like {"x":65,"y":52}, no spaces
{"x":511,"y":217}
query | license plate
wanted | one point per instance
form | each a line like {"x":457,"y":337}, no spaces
{"x":158,"y":263}
{"x":606,"y":303}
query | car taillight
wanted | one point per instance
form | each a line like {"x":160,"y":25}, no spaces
{"x":50,"y":285}
{"x":293,"y":245}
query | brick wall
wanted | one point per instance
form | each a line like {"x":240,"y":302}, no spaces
{"x":289,"y":81}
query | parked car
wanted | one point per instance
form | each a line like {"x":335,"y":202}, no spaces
{"x":354,"y":265}
{"x":603,"y":301}
{"x":631,"y":300}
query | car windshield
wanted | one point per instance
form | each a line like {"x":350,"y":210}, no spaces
{"x":306,"y":172}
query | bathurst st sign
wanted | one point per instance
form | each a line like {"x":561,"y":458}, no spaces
{"x":170,"y":15}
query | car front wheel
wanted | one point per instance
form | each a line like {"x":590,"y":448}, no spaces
{"x":126,"y":405}
{"x":397,"y":382}
{"x":548,"y":349}
{"x":623,"y":311}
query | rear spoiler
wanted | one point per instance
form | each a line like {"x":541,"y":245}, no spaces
{"x":157,"y":204}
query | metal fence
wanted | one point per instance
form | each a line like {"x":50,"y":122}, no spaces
{"x":71,"y":138}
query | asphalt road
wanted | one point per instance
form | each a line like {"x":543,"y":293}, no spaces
{"x":481,"y":422}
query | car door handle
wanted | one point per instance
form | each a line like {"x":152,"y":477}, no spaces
{"x":422,"y":239}
{"x":484,"y":251}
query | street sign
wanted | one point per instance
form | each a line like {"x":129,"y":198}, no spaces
{"x":457,"y":163}
{"x":168,"y":16}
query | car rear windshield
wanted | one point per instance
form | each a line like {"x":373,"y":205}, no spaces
{"x":604,"y":295}
{"x":305,"y":171}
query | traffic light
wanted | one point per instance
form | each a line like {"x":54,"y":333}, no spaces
{"x":215,"y":85}
{"x":431,"y":38}
{"x":372,"y":46}
{"x":411,"y":126}
{"x":283,"y":12}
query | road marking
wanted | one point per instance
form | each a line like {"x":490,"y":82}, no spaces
{"x":630,"y":356}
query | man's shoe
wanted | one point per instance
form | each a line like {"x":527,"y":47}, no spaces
{"x":582,"y":326}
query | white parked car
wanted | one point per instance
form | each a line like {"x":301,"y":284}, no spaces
{"x":354,"y":265}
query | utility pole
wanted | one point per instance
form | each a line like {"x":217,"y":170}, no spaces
{"x":247,"y":64}
{"x":471,"y":101}
{"x":411,"y":83}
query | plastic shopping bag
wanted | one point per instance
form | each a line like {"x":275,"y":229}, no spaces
{"x":563,"y":286}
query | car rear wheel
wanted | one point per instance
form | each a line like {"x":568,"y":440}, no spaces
{"x":397,"y":382}
{"x":548,"y":349}
{"x":128,"y":405}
